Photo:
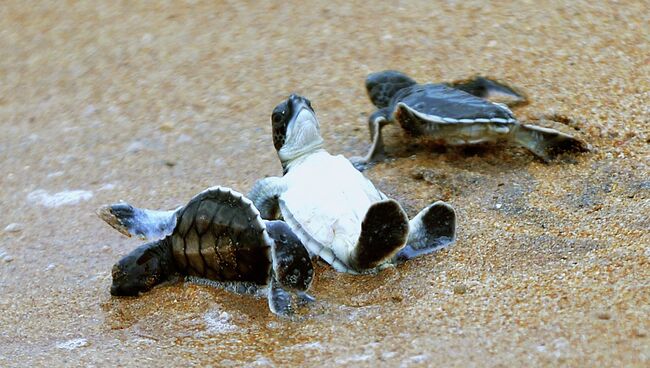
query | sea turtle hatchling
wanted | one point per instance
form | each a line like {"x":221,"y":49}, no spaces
{"x":456,"y":114}
{"x":217,"y":238}
{"x":335,"y":211}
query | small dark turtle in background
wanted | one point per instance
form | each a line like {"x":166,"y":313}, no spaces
{"x":459,"y":113}
{"x":334,"y":210}
{"x":217,"y":238}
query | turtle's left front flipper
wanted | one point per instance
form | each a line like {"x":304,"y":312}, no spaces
{"x":376,"y":122}
{"x":434,"y":228}
{"x":491,"y":90}
{"x":133,"y":221}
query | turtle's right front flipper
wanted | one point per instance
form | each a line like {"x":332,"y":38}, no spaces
{"x":491,"y":90}
{"x":293,"y":271}
{"x":129,"y":220}
{"x":265,"y":195}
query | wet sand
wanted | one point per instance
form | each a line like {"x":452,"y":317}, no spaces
{"x":153,"y":103}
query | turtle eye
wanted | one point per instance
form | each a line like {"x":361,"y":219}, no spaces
{"x":277,"y":116}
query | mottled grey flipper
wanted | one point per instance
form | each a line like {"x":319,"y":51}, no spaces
{"x":292,"y":266}
{"x":546,"y":143}
{"x":279,"y":300}
{"x":434,"y":228}
{"x":144,"y":223}
{"x":265,"y":194}
{"x":491,"y":90}
{"x":384,"y":231}
{"x":143,"y":268}
{"x":376,"y":123}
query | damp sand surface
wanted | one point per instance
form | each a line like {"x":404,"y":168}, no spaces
{"x":153,"y":102}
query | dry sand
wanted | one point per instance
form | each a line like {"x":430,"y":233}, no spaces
{"x":151,"y":103}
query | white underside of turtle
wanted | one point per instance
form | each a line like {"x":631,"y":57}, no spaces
{"x":337,"y":212}
{"x":325,"y":202}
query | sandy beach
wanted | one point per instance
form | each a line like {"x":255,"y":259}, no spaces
{"x":152,"y":102}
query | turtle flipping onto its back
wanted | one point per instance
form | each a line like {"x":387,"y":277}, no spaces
{"x":457,"y":114}
{"x":219,"y":238}
{"x":335,"y":211}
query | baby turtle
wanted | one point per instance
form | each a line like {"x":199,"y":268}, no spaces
{"x":218,"y":236}
{"x":459,"y":113}
{"x":335,"y":211}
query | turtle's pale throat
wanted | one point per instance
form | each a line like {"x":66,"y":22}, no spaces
{"x":303,"y":137}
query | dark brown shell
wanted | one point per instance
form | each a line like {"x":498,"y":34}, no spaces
{"x":221,"y":237}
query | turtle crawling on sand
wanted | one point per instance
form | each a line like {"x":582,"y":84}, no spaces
{"x":458,"y":113}
{"x":335,"y":211}
{"x":219,"y":238}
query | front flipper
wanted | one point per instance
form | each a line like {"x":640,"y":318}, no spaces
{"x":384,"y":231}
{"x":376,"y":123}
{"x":265,"y":195}
{"x":129,"y":220}
{"x":279,"y":300}
{"x":491,"y":90}
{"x":292,"y":265}
{"x":432,"y":229}
{"x":145,"y":267}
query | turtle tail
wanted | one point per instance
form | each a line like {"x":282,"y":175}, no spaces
{"x":382,"y":86}
{"x":546,"y":143}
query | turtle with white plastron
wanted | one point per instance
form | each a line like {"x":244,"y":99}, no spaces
{"x":217,"y":238}
{"x":335,"y":211}
{"x":459,"y":113}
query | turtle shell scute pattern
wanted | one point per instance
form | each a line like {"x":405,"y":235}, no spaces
{"x":442,"y":104}
{"x":220,"y":236}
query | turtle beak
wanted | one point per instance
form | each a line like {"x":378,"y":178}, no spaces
{"x":302,"y":112}
{"x":297,"y":103}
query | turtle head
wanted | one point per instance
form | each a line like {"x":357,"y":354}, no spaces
{"x":139,"y":271}
{"x":296,"y":130}
{"x":292,"y":265}
{"x":382,"y":86}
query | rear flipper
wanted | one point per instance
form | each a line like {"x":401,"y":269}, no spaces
{"x":384,"y":232}
{"x":129,"y":220}
{"x":434,"y":228}
{"x":546,"y":143}
{"x":491,"y":90}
